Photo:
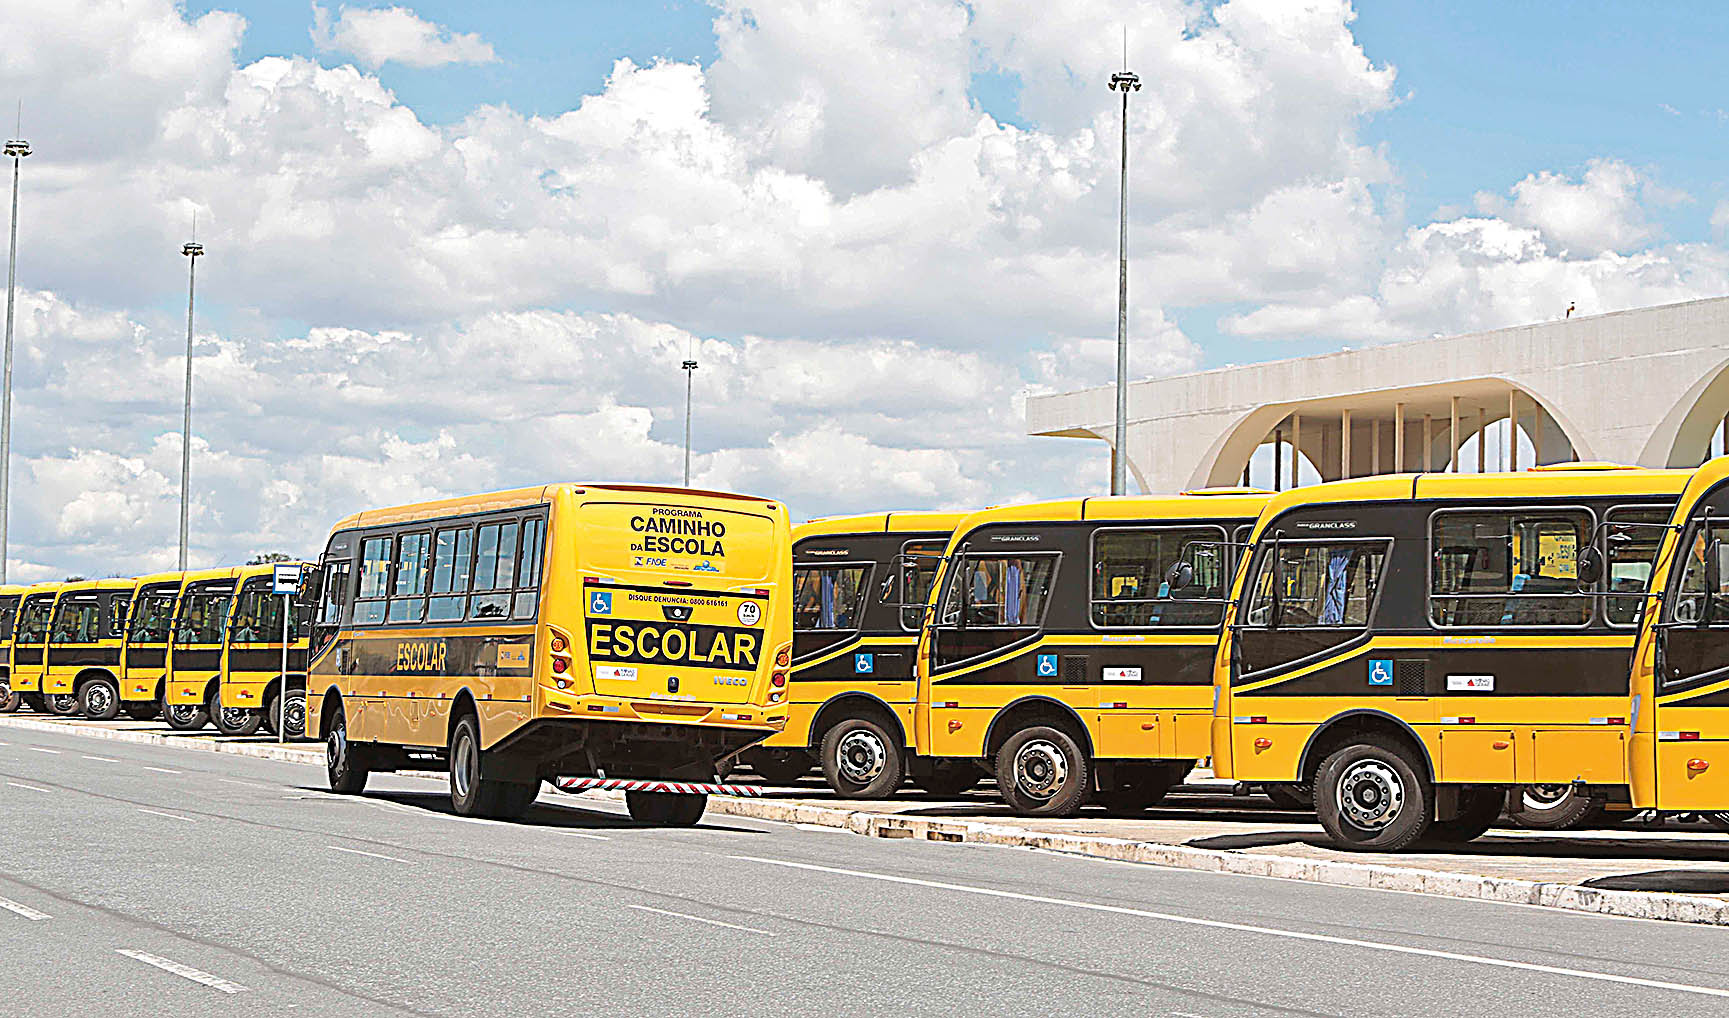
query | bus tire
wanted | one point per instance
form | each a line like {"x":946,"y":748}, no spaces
{"x":100,"y":699}
{"x":473,"y":795}
{"x":1291,"y":797}
{"x":1551,"y":807}
{"x":1479,"y":808}
{"x":9,"y":701}
{"x":62,"y":704}
{"x":296,"y":707}
{"x":235,"y":721}
{"x":1042,"y":772}
{"x":1370,"y":797}
{"x":344,"y":762}
{"x":1138,"y":787}
{"x":780,"y":766}
{"x":141,"y":710}
{"x":948,"y":778}
{"x":665,"y":809}
{"x":861,"y":760}
{"x":184,"y":717}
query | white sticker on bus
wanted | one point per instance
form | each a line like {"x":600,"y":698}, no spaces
{"x":1122,"y":675}
{"x":621,"y":672}
{"x":1470,"y":683}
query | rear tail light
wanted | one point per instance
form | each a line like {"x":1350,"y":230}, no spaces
{"x":559,"y":646}
{"x":559,"y":643}
{"x":559,"y":664}
{"x":783,"y":657}
{"x":778,"y":679}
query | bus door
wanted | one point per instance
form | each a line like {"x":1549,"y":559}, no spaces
{"x":73,"y":636}
{"x":29,"y":648}
{"x":1692,"y":680}
{"x":146,"y":660}
{"x":196,"y":657}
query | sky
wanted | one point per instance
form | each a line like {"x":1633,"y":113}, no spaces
{"x":457,"y":247}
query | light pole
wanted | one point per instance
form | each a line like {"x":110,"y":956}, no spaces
{"x":191,"y":250}
{"x":689,"y":374}
{"x":1124,"y":81}
{"x":17,"y":148}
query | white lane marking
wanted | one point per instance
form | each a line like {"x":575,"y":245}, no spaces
{"x":1371,"y":945}
{"x":32,"y":788}
{"x":164,"y":770}
{"x":583,"y":834}
{"x":170,"y":816}
{"x":374,"y":855}
{"x":99,"y":759}
{"x":39,"y":749}
{"x":237,"y":781}
{"x":24,"y":910}
{"x":183,"y":971}
{"x":700,"y":919}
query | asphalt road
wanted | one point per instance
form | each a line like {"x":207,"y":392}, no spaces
{"x":143,"y":880}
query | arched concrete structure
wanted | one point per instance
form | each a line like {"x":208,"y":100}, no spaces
{"x":1647,"y":386}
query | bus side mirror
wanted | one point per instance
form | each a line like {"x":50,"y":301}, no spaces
{"x":1713,"y":581}
{"x":311,"y":586}
{"x":1590,"y":567}
{"x":1179,"y":577}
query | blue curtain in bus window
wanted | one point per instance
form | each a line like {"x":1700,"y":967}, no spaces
{"x":826,"y":619}
{"x":1012,"y":594}
{"x":1333,"y":613}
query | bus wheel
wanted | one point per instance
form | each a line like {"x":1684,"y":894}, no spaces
{"x":861,"y":760}
{"x":343,"y":762}
{"x":1551,"y":807}
{"x":141,"y":710}
{"x":100,"y":699}
{"x":1042,"y":772}
{"x":184,"y":717}
{"x":235,"y":720}
{"x":665,"y":809}
{"x":780,"y":766}
{"x":1479,"y":808}
{"x":1137,"y":787}
{"x":475,"y":796}
{"x":949,"y":778}
{"x":1292,"y":798}
{"x":1370,"y":797}
{"x":296,"y":707}
{"x":62,"y":704}
{"x":9,"y":701}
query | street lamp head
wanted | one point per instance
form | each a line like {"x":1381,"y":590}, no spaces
{"x":1125,"y":81}
{"x":192,"y":250}
{"x":17,"y":148}
{"x":690,"y":365}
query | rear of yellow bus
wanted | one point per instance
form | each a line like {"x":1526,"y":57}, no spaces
{"x":675,"y":624}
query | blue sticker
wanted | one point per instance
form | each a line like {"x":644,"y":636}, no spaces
{"x":864,"y":664}
{"x":600,"y":603}
{"x":1047,"y":666}
{"x":1380,"y":671}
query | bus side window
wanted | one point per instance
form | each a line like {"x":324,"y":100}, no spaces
{"x":452,"y":562}
{"x":528,"y":573}
{"x":1308,"y":596}
{"x":374,"y":581}
{"x":1689,"y":603}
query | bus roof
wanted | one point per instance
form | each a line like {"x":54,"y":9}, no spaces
{"x":879,"y":523}
{"x":10,"y":589}
{"x":46,"y":587}
{"x":1553,"y":481}
{"x":267,"y":568}
{"x":1208,"y":504}
{"x":517,"y":498}
{"x":200,"y":575}
{"x":111,"y":583}
{"x":144,"y":581}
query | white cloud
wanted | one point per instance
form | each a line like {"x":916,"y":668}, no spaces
{"x":380,"y":35}
{"x":1601,"y":211}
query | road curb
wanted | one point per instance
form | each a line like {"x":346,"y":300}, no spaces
{"x":1684,"y":908}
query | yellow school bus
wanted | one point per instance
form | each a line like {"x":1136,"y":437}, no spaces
{"x":10,"y":595}
{"x":1059,"y":654}
{"x":1411,"y":647}
{"x":251,"y":678}
{"x":1679,"y":745}
{"x":859,"y":585}
{"x":604,"y":635}
{"x":29,"y":651}
{"x":190,"y":690}
{"x":149,"y":626}
{"x":86,"y":633}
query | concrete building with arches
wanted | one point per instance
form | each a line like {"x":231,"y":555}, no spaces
{"x":1648,"y":386}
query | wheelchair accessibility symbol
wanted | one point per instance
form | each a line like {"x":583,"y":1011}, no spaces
{"x":864,"y":664}
{"x":1380,"y":672}
{"x":600,"y":603}
{"x":1047,"y":666}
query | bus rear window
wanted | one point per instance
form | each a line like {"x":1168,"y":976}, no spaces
{"x":694,"y":543}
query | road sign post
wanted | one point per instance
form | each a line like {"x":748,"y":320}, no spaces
{"x":286,"y":582}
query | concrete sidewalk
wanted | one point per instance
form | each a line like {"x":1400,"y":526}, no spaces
{"x":1670,"y":874}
